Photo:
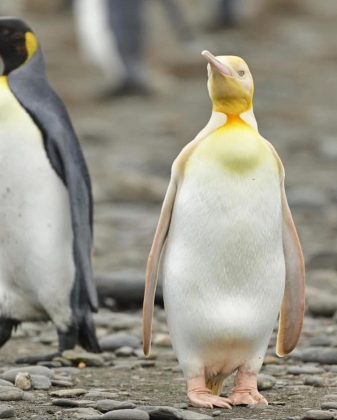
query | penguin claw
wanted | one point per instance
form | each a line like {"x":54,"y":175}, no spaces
{"x":207,"y":400}
{"x":252,"y":397}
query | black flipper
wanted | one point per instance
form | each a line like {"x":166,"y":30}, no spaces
{"x":6,"y":328}
{"x":30,"y":86}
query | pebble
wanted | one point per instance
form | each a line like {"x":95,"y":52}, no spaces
{"x":59,"y":382}
{"x":41,"y":382}
{"x":321,"y":341}
{"x":127,"y":414}
{"x":162,"y":340}
{"x":109,"y":405}
{"x":50,"y":364}
{"x":5,"y":383}
{"x":10,"y":393}
{"x":119,"y":340}
{"x":63,"y":402}
{"x":10,"y":374}
{"x":68,"y":393}
{"x":321,"y":303}
{"x":318,"y":415}
{"x":144,"y":363}
{"x":82,"y":413}
{"x":124,"y":351}
{"x":23,"y":380}
{"x":265,"y":382}
{"x":329,"y":405}
{"x":171,"y":413}
{"x":6,"y":412}
{"x":323,"y":355}
{"x":316,"y":381}
{"x":101,"y":395}
{"x":77,"y":357}
{"x":304,"y":370}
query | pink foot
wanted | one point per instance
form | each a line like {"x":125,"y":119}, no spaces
{"x":245,"y":390}
{"x":200,"y":396}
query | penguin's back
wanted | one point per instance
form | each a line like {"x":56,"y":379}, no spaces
{"x":223,"y":265}
{"x":36,"y":234}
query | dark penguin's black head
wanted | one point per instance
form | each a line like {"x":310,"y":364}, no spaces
{"x":17,"y":43}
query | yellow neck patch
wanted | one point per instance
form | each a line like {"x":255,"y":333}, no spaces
{"x":235,"y":147}
{"x":31,"y":44}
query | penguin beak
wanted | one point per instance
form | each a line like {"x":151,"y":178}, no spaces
{"x":215,"y":63}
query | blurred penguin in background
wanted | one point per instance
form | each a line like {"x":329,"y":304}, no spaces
{"x":111,"y":35}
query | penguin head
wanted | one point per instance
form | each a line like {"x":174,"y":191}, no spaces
{"x":17,"y":43}
{"x":230,"y":84}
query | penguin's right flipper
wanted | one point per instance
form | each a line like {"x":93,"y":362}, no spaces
{"x":292,"y":309}
{"x":154,"y":260}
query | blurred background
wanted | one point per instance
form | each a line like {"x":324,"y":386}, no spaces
{"x":131,"y":75}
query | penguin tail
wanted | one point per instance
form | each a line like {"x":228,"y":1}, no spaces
{"x":87,"y":334}
{"x":215,"y":383}
{"x":6,"y":328}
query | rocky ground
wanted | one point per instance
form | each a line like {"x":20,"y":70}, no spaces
{"x":129,"y":145}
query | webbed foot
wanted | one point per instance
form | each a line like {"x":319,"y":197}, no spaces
{"x":245,"y":390}
{"x":200,"y":396}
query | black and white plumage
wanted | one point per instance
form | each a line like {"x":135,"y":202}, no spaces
{"x":46,"y":203}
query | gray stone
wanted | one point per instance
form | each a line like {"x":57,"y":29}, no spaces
{"x":63,"y":402}
{"x":321,"y":303}
{"x":89,"y":359}
{"x":103,"y":395}
{"x":6,"y":412}
{"x":109,"y":405}
{"x":124,"y":351}
{"x":68,"y":393}
{"x":329,"y":405}
{"x":318,"y":415}
{"x":127,"y":414}
{"x":83,"y":413}
{"x":321,"y":341}
{"x":171,"y":413}
{"x":41,"y":382}
{"x":10,"y":374}
{"x":116,"y":341}
{"x":323,"y":355}
{"x":265,"y":382}
{"x":305,"y":370}
{"x":5,"y":383}
{"x":63,"y":383}
{"x":316,"y":381}
{"x":10,"y":393}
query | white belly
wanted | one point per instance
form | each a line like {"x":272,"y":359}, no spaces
{"x":224,"y":267}
{"x":36,"y":264}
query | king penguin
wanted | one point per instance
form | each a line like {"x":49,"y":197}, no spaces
{"x":46,"y":208}
{"x":231,"y":257}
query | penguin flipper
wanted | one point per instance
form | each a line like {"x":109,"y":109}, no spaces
{"x":292,"y":309}
{"x":153,"y":262}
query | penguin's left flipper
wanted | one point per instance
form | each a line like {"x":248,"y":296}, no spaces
{"x":65,"y":155}
{"x":292,"y":309}
{"x":154,"y":260}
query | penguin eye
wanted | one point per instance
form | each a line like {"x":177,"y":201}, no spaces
{"x":241,"y":73}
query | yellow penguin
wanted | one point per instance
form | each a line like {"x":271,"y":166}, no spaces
{"x":232,"y":258}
